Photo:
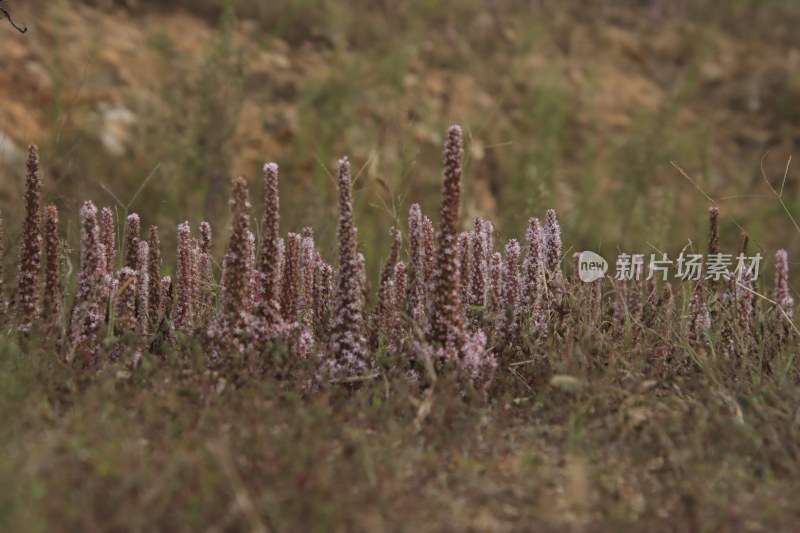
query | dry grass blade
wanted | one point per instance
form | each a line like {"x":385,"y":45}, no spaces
{"x":243,"y":499}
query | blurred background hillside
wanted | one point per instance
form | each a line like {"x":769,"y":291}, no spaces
{"x":578,"y":105}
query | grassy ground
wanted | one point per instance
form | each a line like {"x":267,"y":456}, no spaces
{"x":588,"y":440}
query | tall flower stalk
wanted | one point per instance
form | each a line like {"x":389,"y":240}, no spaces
{"x":399,"y":300}
{"x":447,"y":322}
{"x":235,"y":296}
{"x":509,"y":291}
{"x":784,"y":302}
{"x":133,"y":229}
{"x":252,"y":271}
{"x":323,"y":297}
{"x":206,"y":283}
{"x":464,"y":271}
{"x":699,"y":316}
{"x":348,"y":344}
{"x":553,"y":246}
{"x":143,"y":288}
{"x":154,"y":274}
{"x":308,"y":259}
{"x":89,"y":305}
{"x":291,"y":283}
{"x":53,"y":287}
{"x":477,"y":289}
{"x":418,"y":270}
{"x":108,"y":238}
{"x":183,"y":280}
{"x":270,"y":266}
{"x":30,"y":255}
{"x":534,"y":299}
{"x":125,"y":321}
{"x":386,"y":291}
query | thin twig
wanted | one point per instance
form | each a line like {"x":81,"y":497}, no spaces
{"x":357,"y":379}
{"x":5,"y":13}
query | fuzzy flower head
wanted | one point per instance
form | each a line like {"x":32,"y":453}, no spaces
{"x":91,"y":259}
{"x":205,"y":237}
{"x":782,"y":295}
{"x":478,"y":363}
{"x":552,"y":234}
{"x":133,"y":229}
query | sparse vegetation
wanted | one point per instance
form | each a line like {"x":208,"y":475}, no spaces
{"x":387,"y":341}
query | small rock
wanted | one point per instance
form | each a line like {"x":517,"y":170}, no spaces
{"x":40,"y":75}
{"x":638,"y":416}
{"x":566,"y":383}
{"x":118,"y":129}
{"x":10,"y":153}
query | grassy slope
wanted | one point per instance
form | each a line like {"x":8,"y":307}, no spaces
{"x":170,"y":448}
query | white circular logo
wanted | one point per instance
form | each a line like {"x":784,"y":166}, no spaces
{"x":591,"y":267}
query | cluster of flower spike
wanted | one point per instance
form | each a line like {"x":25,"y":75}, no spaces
{"x":450,"y":298}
